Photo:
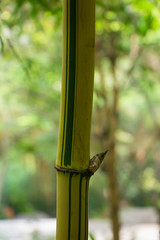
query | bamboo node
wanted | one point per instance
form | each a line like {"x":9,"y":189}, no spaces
{"x":85,"y":173}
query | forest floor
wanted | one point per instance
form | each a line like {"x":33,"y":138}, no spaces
{"x":137,"y":224}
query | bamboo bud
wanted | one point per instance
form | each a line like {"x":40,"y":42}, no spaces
{"x":96,"y":161}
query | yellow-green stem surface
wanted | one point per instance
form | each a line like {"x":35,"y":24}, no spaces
{"x":72,"y":206}
{"x":75,"y":120}
{"x":77,"y":84}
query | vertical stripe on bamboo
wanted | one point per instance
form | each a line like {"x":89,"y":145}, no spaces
{"x":75,"y":201}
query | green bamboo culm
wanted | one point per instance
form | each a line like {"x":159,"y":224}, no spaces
{"x":75,"y":121}
{"x":72,"y":206}
{"x":77,"y":83}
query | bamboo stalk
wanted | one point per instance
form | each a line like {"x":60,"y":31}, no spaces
{"x":75,"y":122}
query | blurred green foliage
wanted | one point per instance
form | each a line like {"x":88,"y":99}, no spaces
{"x":127,"y":32}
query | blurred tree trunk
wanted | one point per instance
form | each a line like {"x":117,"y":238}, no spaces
{"x":111,"y":164}
{"x":109,"y":123}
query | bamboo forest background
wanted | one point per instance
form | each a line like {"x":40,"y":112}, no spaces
{"x":126,"y":109}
